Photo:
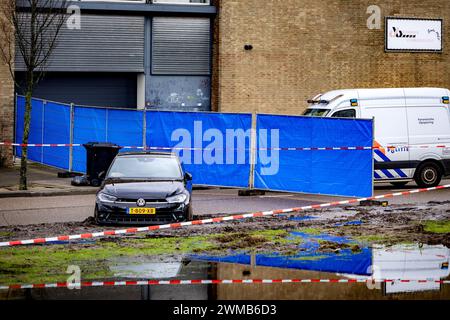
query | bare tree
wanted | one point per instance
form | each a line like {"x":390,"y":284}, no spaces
{"x":32,"y":29}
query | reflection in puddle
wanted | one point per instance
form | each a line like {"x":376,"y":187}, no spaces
{"x":318,"y":257}
{"x":410,"y":262}
{"x":317,"y":252}
{"x":152,"y":270}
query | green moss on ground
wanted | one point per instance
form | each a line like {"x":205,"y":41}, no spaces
{"x":6,"y":234}
{"x":437,"y":226}
{"x":311,"y":231}
{"x":373,"y":238}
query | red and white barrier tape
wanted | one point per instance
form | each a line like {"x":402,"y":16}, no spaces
{"x":39,"y":144}
{"x":196,"y":149}
{"x":215,"y":282}
{"x":211,"y":220}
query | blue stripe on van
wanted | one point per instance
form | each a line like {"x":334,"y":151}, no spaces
{"x":377,"y":176}
{"x":387,"y":173}
{"x":401,"y":173}
{"x":386,"y":159}
{"x":382,"y":156}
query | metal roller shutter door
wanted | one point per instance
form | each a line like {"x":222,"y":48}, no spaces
{"x":181,"y":46}
{"x":105,"y":43}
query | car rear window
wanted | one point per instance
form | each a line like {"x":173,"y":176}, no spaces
{"x":150,"y":167}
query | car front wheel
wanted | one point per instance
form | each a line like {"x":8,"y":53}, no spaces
{"x":190,"y":214}
{"x":96,"y":217}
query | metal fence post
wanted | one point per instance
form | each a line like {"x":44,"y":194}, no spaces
{"x":15,"y":127}
{"x":253,"y":145}
{"x":44,"y":103}
{"x":106,"y":125}
{"x":71,"y":124}
{"x":373,"y":156}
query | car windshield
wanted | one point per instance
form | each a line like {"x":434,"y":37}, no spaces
{"x":145,"y":167}
{"x":316,"y":112}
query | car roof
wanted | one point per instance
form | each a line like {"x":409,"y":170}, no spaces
{"x":148,"y":153}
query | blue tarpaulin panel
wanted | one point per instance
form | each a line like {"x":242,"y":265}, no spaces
{"x":336,"y":172}
{"x":89,"y":126}
{"x":224,"y":160}
{"x":125,"y":128}
{"x":56,"y":130}
{"x":36,"y":128}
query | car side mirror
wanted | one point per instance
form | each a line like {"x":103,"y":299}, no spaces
{"x":101,"y":175}
{"x":188,"y":176}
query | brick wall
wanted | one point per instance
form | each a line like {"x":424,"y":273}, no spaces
{"x":304,"y":47}
{"x":6,"y":112}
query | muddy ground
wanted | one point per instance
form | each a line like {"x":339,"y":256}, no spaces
{"x":283,"y":234}
{"x":427,"y":224}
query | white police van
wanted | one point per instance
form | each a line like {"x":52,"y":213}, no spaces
{"x":412,"y":129}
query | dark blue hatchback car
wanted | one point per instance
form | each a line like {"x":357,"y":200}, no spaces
{"x":144,"y":188}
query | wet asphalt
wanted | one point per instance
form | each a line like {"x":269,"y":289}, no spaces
{"x":36,"y":210}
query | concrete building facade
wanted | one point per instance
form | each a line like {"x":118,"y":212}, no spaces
{"x":131,"y":54}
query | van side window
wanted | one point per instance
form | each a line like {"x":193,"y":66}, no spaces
{"x":348,"y":113}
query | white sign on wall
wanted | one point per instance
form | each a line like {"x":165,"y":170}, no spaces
{"x":412,"y":34}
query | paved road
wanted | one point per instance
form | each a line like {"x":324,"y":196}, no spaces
{"x":22,"y":211}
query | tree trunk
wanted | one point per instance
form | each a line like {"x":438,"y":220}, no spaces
{"x":23,"y":185}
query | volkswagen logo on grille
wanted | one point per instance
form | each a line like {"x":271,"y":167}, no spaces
{"x":141,"y":202}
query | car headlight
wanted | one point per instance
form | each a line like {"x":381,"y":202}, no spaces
{"x":179,"y":198}
{"x":104,"y":197}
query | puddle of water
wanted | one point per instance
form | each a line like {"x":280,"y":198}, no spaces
{"x":412,"y":262}
{"x":65,"y":242}
{"x":349,"y":223}
{"x":301,"y":218}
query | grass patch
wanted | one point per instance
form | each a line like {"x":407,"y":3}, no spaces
{"x":6,"y":234}
{"x":282,"y":237}
{"x":437,"y":226}
{"x":242,"y":240}
{"x":370,"y":238}
{"x":311,"y":231}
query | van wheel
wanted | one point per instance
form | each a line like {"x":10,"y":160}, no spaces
{"x":399,"y":184}
{"x":428,"y":175}
{"x":95,"y":182}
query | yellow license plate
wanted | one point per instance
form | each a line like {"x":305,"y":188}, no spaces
{"x":141,"y":211}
